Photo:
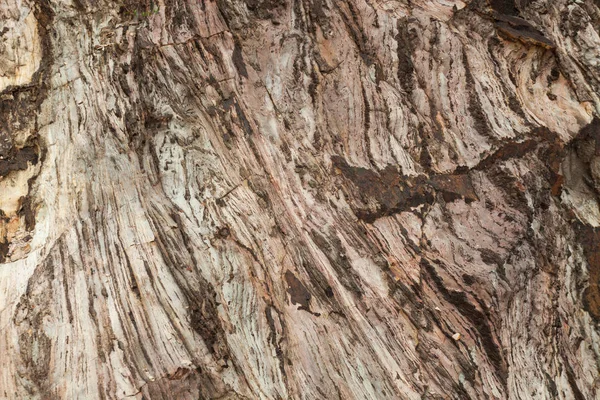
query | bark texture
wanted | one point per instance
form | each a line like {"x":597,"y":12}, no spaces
{"x":299,"y":199}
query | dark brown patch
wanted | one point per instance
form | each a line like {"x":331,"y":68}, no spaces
{"x":18,"y":160}
{"x":265,"y":9}
{"x":588,"y":137}
{"x":224,"y":232}
{"x":4,"y":248}
{"x":504,"y":6}
{"x":238,"y":60}
{"x":553,"y":155}
{"x":319,"y":16}
{"x":27,"y":211}
{"x":454,"y":187}
{"x":490,"y":257}
{"x":404,"y":52}
{"x":589,"y":238}
{"x":557,"y":185}
{"x":507,"y":151}
{"x":394,"y":192}
{"x":329,"y":292}
{"x":297,"y":291}
{"x":517,"y":29}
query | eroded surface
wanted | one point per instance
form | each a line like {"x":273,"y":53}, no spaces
{"x":299,"y":199}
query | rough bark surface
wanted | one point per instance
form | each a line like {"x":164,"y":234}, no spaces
{"x":299,"y":199}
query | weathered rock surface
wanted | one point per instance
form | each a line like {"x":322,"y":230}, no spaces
{"x":304,"y":199}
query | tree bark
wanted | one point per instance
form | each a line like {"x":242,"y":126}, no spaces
{"x":299,"y":199}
